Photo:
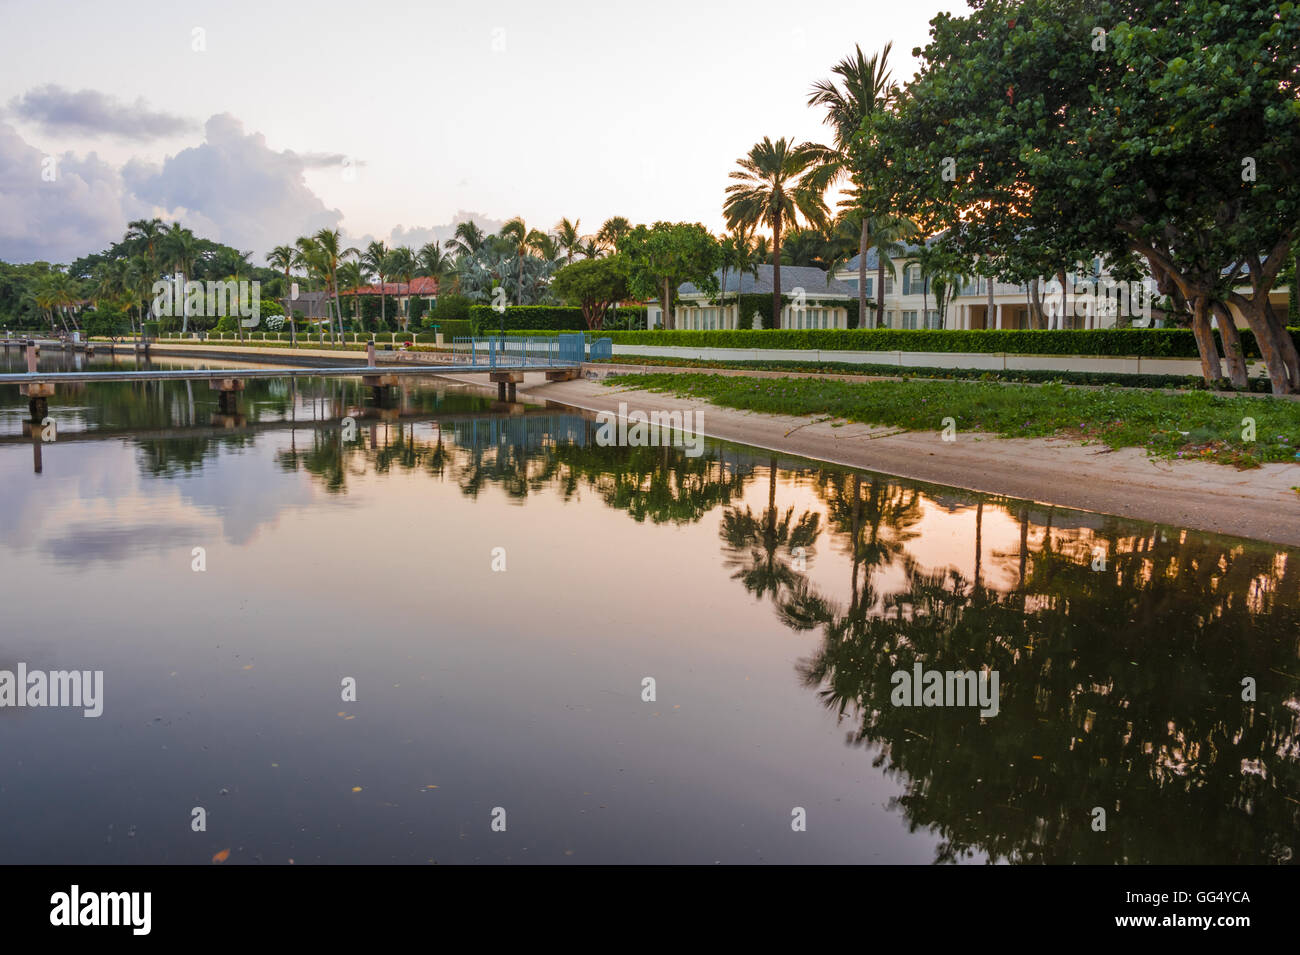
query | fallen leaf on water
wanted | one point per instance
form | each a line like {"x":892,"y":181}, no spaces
{"x":430,"y":787}
{"x":221,"y":856}
{"x":249,"y":667}
{"x":340,"y":713}
{"x":349,"y":717}
{"x":356,"y":789}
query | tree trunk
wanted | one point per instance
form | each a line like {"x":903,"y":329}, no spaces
{"x":1036,"y":304}
{"x":1065,"y":299}
{"x":1211,"y":368}
{"x":988,"y":318}
{"x":669,"y":322}
{"x":776,"y":270}
{"x":1232,"y":351}
{"x":862,"y":275}
{"x":1275,"y":344}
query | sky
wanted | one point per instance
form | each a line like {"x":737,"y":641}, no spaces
{"x":254,"y":123}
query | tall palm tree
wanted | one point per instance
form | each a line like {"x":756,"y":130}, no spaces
{"x":375,"y":258}
{"x":568,"y":238}
{"x":179,"y":248}
{"x":330,"y":242}
{"x":143,"y":236}
{"x":777,"y":182}
{"x":613,"y":231}
{"x":352,"y":276}
{"x":283,"y":258}
{"x":402,"y":265}
{"x":65,"y":293}
{"x":522,"y":239}
{"x":864,"y":89}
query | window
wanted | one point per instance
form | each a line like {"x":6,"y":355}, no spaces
{"x":889,"y":285}
{"x":909,"y":318}
{"x":851,"y":283}
{"x":932,"y":318}
{"x":870,"y":284}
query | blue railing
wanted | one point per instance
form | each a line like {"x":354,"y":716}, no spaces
{"x":498,"y":351}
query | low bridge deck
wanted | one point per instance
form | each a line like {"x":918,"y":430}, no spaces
{"x":219,"y":374}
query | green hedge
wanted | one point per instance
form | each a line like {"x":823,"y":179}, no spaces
{"x":1119,"y":342}
{"x":452,"y":328}
{"x":551,"y":318}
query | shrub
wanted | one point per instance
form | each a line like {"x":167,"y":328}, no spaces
{"x":1117,"y":342}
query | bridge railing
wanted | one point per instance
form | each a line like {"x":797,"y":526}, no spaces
{"x":498,"y":351}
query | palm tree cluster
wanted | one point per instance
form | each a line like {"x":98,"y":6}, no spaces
{"x":472,"y":263}
{"x":781,"y":186}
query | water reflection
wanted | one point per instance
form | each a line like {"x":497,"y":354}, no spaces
{"x":1121,"y":646}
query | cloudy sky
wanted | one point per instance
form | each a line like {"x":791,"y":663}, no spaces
{"x":254,"y":123}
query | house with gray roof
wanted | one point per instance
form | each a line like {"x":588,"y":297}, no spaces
{"x":818,"y":300}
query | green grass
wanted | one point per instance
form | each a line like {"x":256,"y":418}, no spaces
{"x":1186,"y":425}
{"x":1031,"y":376}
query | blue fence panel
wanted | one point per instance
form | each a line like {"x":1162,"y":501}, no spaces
{"x":572,"y":347}
{"x":602,"y":348}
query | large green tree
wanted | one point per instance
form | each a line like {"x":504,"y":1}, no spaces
{"x":665,"y":255}
{"x":1166,"y":129}
{"x":594,"y":285}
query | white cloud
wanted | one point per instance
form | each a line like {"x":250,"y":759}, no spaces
{"x":92,"y":113}
{"x":232,"y":188}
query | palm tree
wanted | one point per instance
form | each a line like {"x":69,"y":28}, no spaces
{"x":777,"y":182}
{"x":739,"y":252}
{"x":64,"y":294}
{"x":143,"y":235}
{"x":402,"y":266}
{"x":375,"y":258}
{"x":466,"y":240}
{"x":866,"y":90}
{"x":179,"y":248}
{"x":283,"y":258}
{"x":613,"y":232}
{"x":885,"y":233}
{"x":568,"y":238}
{"x":435,"y":263}
{"x":330,"y":242}
{"x":352,"y":276}
{"x":522,"y":239}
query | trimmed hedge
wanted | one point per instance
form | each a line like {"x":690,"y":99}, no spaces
{"x":551,"y":318}
{"x":1117,"y":342}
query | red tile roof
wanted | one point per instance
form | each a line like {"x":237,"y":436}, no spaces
{"x":421,"y":286}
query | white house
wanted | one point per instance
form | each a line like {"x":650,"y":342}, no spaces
{"x":818,"y":301}
{"x":909,"y":298}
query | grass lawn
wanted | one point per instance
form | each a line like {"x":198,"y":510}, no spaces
{"x":1183,"y":425}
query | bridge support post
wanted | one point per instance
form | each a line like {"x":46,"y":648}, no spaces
{"x":38,"y":394}
{"x":370,"y":353}
{"x":506,"y":382}
{"x":228,"y":394}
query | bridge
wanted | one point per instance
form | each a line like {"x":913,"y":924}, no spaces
{"x":504,"y":360}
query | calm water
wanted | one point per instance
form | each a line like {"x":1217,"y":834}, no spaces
{"x":769,"y":598}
